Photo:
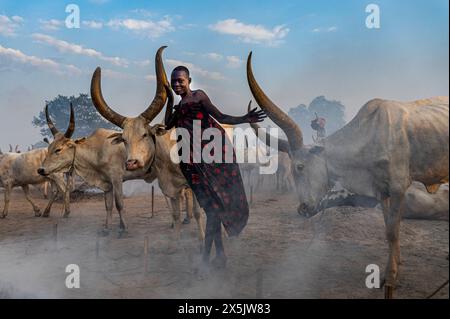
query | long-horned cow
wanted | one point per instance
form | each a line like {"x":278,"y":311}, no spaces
{"x":148,"y":147}
{"x":97,"y":161}
{"x":20,"y":169}
{"x":379,"y":153}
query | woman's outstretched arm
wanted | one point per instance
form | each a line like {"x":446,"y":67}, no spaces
{"x":252,"y":117}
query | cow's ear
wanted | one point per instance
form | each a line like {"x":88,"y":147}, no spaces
{"x":158,"y":129}
{"x":317,"y":149}
{"x":80,"y":140}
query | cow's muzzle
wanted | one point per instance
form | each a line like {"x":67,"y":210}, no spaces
{"x":41,"y":171}
{"x":305,"y":211}
{"x":132,"y":165}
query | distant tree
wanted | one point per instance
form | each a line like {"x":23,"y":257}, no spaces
{"x":87,"y":119}
{"x":332,"y":111}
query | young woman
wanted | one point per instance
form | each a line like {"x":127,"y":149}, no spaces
{"x":218,"y":187}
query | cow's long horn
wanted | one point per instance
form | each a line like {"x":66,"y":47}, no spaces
{"x":283,"y":146}
{"x":99,"y":101}
{"x":161,"y":95}
{"x":290,"y":128}
{"x":71,"y":127}
{"x":50,"y":124}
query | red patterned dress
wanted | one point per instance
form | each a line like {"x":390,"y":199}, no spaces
{"x":218,"y":187}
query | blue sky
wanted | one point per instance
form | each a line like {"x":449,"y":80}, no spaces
{"x":302,"y":49}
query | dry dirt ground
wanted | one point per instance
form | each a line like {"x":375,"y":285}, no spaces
{"x":279,"y":254}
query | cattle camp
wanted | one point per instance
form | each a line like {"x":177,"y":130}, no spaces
{"x":183,"y":173}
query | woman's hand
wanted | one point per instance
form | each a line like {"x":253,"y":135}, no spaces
{"x":254,"y":116}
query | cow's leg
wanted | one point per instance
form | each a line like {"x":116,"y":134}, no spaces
{"x":188,"y":198}
{"x":118,"y":196}
{"x":8,"y":188}
{"x":53,"y":195}
{"x":392,"y":211}
{"x":26,"y":191}
{"x":109,"y":200}
{"x":45,"y":190}
{"x":278,"y":181}
{"x":198,"y":219}
{"x":175,"y":204}
{"x":67,"y":189}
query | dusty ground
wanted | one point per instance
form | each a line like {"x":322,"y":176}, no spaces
{"x":279,"y":255}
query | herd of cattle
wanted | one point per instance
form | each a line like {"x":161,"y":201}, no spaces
{"x":392,"y":153}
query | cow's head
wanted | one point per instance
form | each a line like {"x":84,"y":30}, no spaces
{"x":138,"y":136}
{"x":308,"y":163}
{"x":61,"y":151}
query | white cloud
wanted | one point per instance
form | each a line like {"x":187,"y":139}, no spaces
{"x":16,"y":57}
{"x":66,"y":47}
{"x":330,"y":29}
{"x":195,"y":70}
{"x":148,"y":28}
{"x":214,"y":56}
{"x":251,"y":33}
{"x":9,"y":26}
{"x":51,"y":25}
{"x":93,"y":24}
{"x":234,"y":62}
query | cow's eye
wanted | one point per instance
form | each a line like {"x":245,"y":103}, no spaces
{"x":300,"y":166}
{"x":58,"y":151}
{"x":145,"y":135}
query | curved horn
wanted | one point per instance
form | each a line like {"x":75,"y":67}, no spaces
{"x":290,"y":128}
{"x":71,"y":127}
{"x":50,"y":124}
{"x":283,"y":146}
{"x":99,"y":101}
{"x":161,"y":95}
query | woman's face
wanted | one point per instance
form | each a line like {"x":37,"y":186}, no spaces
{"x":179,"y":81}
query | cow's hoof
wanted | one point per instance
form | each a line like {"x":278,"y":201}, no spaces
{"x":3,"y":216}
{"x":186,"y":221}
{"x":219,"y":262}
{"x":46,"y":214}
